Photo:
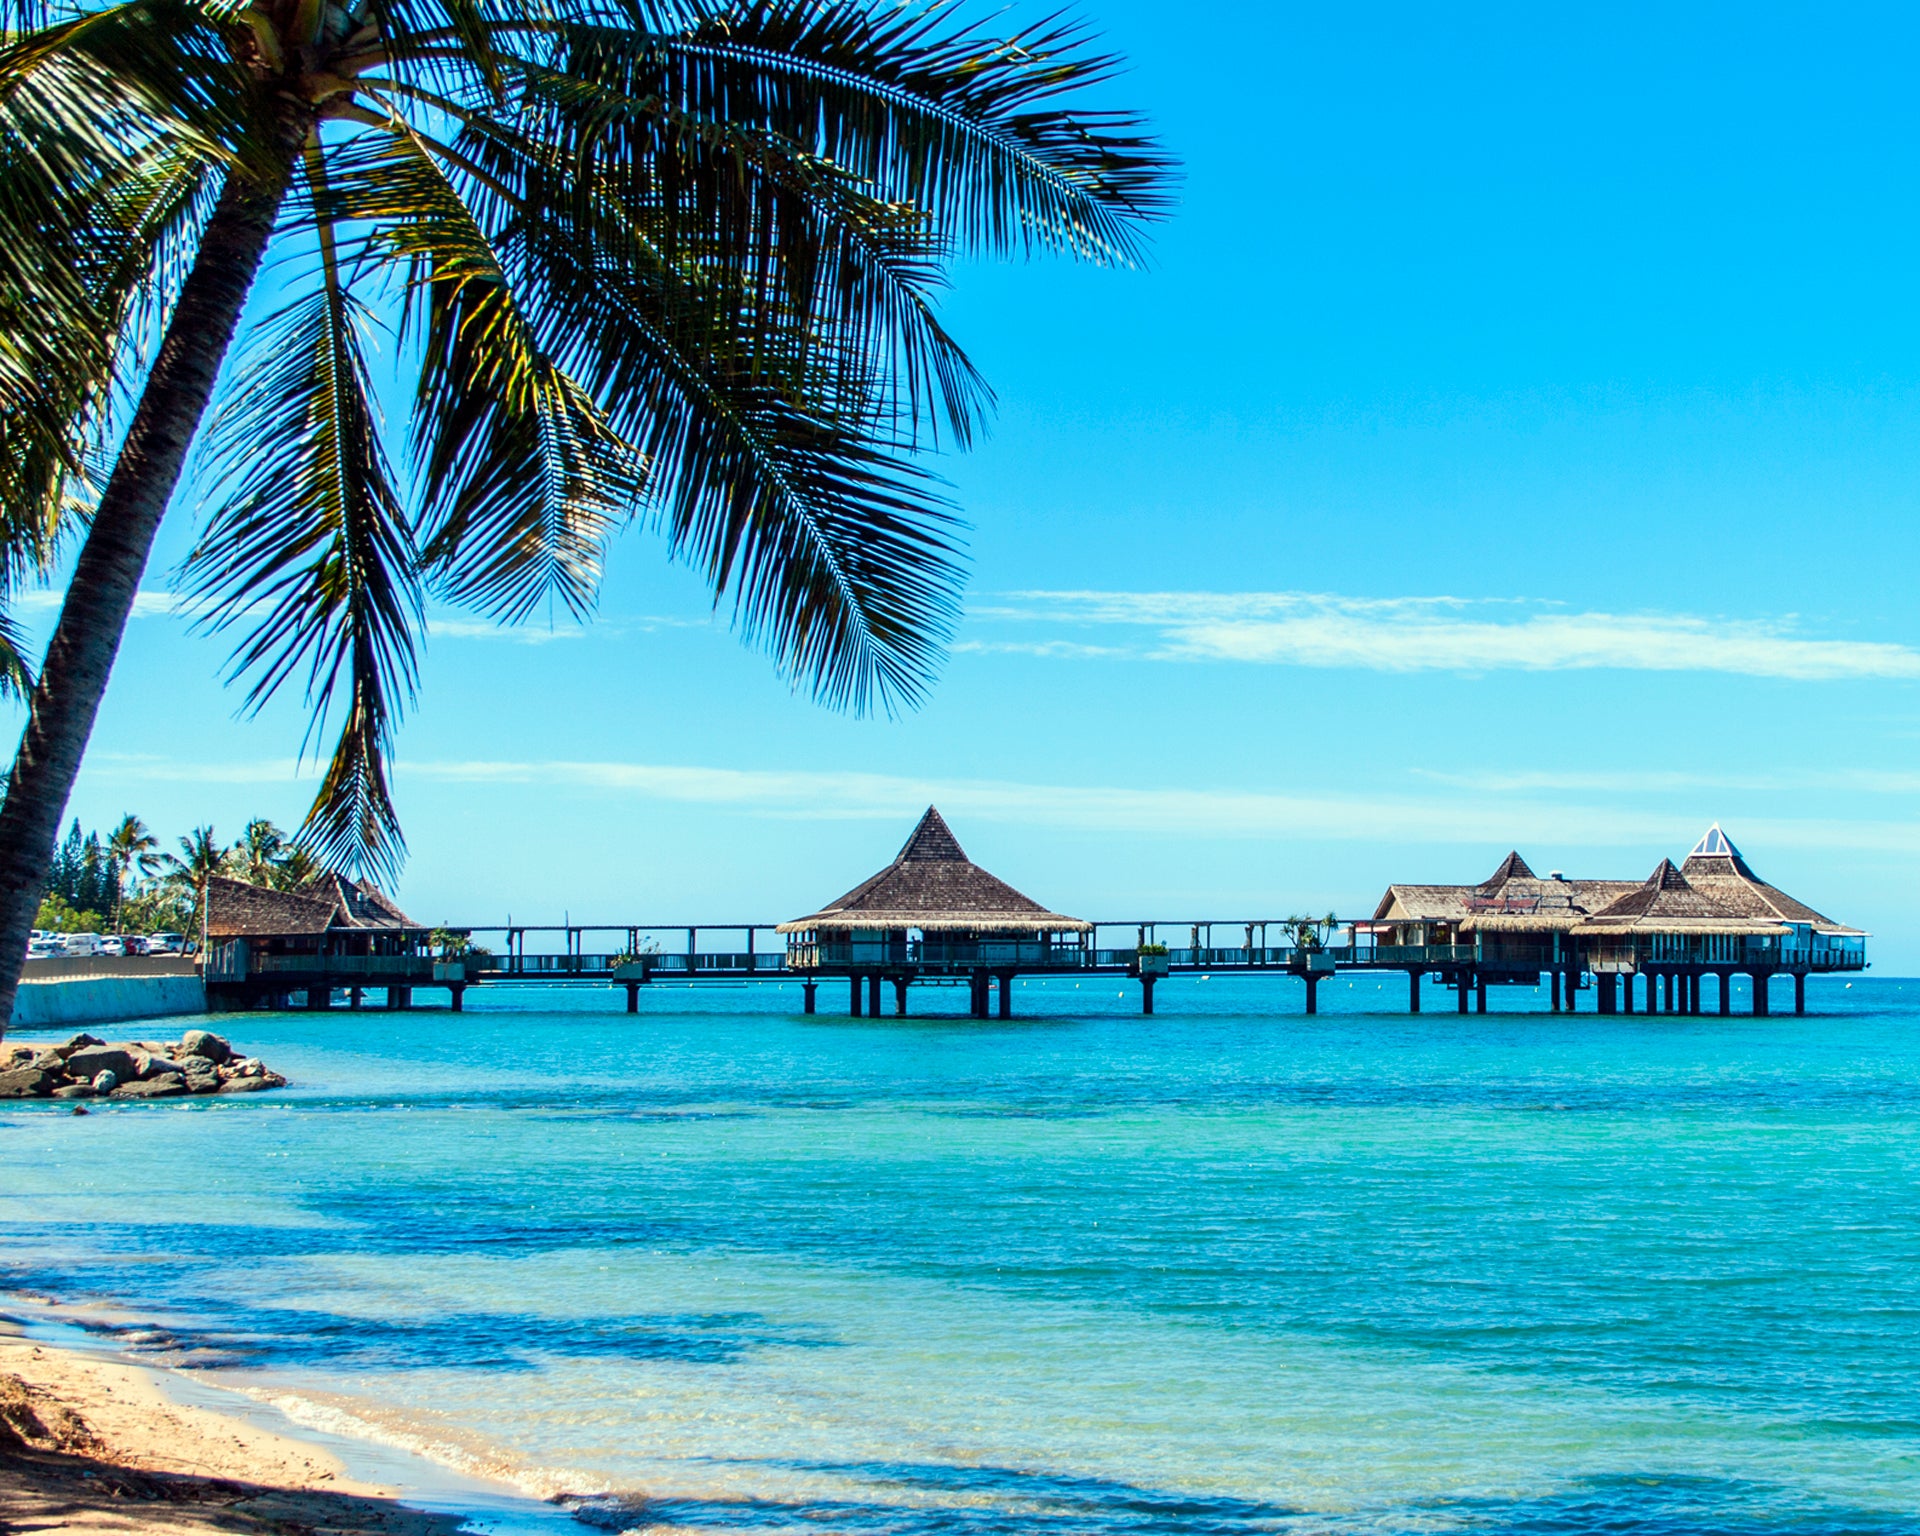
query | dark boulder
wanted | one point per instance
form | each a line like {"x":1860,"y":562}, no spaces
{"x":205,"y":1044}
{"x":172,"y":1086}
{"x":27,"y":1083}
{"x":90,"y":1061}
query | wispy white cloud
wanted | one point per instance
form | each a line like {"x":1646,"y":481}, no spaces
{"x":1418,"y":634}
{"x":147,"y":603}
{"x":1627,"y":781}
{"x":518,"y":634}
{"x":1493,"y":819}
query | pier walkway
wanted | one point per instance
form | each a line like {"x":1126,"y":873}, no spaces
{"x":636,"y":955}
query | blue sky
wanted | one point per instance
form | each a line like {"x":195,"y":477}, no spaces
{"x":1514,"y":442}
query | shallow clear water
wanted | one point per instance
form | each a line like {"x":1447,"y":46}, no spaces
{"x":1227,"y":1269}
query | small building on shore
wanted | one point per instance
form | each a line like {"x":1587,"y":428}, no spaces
{"x":264,"y":944}
{"x":931,"y":913}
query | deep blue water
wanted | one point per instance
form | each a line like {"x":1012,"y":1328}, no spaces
{"x":1226,"y":1269}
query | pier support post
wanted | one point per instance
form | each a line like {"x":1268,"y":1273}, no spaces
{"x":1627,"y":980}
{"x":1006,"y":994}
{"x":900,"y":996}
{"x":1726,"y":992}
{"x":1553,"y":991}
{"x":873,"y":995}
{"x":1463,"y":984}
{"x":633,"y":997}
{"x":354,"y":996}
{"x":1693,"y":994}
{"x":319,"y":998}
{"x":456,"y":995}
{"x":1313,"y":994}
{"x":1761,"y":1002}
{"x":1413,"y":991}
{"x":400,"y":999}
{"x":810,"y":988}
{"x":1479,"y":994}
{"x":1146,"y":994}
{"x":1607,"y":998}
{"x":1570,"y":989}
{"x":853,"y":1000}
{"x":1799,"y":991}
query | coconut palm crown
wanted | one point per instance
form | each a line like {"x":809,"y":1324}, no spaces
{"x":605,"y":259}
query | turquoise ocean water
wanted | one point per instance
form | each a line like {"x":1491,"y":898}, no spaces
{"x":1229,"y":1269}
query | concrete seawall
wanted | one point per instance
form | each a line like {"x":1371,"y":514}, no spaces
{"x":106,"y":990}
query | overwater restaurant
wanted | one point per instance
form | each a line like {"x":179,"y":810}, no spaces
{"x":933,"y":914}
{"x":1712,"y":916}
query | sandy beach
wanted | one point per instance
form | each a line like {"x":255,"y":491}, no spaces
{"x":93,"y":1444}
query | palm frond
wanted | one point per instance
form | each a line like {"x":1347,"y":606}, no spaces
{"x":522,"y":481}
{"x":310,"y":549}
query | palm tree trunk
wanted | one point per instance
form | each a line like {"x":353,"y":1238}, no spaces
{"x":100,"y":596}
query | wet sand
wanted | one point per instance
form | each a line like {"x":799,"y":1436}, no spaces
{"x":93,"y":1444}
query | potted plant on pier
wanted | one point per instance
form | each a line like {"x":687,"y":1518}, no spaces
{"x":1152,"y":959}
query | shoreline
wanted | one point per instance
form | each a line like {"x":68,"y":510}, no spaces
{"x":91,"y":1439}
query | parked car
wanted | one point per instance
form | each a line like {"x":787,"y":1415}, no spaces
{"x":166,"y":943}
{"x":43,"y":949}
{"x":80,"y":943}
{"x":132,"y":944}
{"x":110,"y":945}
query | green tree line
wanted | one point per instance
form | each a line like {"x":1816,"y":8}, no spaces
{"x":125,"y":882}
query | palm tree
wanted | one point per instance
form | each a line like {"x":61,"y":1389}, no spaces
{"x":200,"y":860}
{"x":665,"y":256}
{"x":256,"y":856}
{"x":294,"y":868}
{"x":129,"y":844}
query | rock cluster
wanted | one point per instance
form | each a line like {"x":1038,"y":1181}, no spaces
{"x":87,"y":1067}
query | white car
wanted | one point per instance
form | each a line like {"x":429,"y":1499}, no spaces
{"x":111,"y":945}
{"x":80,"y":943}
{"x":166,"y":943}
{"x":43,"y":949}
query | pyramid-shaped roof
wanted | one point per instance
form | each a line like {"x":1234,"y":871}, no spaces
{"x":1668,"y":902}
{"x":1716,"y":866}
{"x":1511,"y":899}
{"x":1512,"y":867}
{"x":933,"y":884}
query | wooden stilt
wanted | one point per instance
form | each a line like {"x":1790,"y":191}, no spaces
{"x":1146,"y":994}
{"x":810,"y":989}
{"x":1413,"y":991}
{"x":457,"y":993}
{"x":633,"y":996}
{"x":1627,"y":979}
{"x":1006,"y":995}
{"x":1726,"y":992}
{"x":873,"y":995}
{"x":1313,"y":994}
{"x":1762,"y":1004}
{"x":1463,"y":985}
{"x":900,"y":996}
{"x":355,"y":995}
{"x":1479,"y":994}
{"x":853,"y":1000}
{"x":1799,"y":991}
{"x":1553,"y":991}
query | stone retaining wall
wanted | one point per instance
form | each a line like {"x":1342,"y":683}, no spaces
{"x":106,"y":1000}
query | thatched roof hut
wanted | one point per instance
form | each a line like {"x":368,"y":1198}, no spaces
{"x":1513,"y":899}
{"x":327,"y":904}
{"x":933,"y":886}
{"x":1713,"y":892}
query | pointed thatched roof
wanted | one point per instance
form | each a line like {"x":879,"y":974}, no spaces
{"x":1668,"y":902}
{"x":1716,"y":866}
{"x":238,"y":909}
{"x":933,"y":884}
{"x":1513,"y":899}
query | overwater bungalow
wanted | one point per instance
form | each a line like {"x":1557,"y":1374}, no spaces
{"x":1508,"y":929}
{"x":265,"y":944}
{"x":932,"y":914}
{"x":1711,"y":916}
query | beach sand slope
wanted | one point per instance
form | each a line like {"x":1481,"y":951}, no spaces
{"x":90,"y":1444}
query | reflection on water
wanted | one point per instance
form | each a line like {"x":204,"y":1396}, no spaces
{"x":1227,"y":1269}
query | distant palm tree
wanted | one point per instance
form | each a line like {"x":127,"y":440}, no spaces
{"x":295,"y":868}
{"x":672,"y":255}
{"x":200,"y":860}
{"x":129,"y":844}
{"x":258,"y":853}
